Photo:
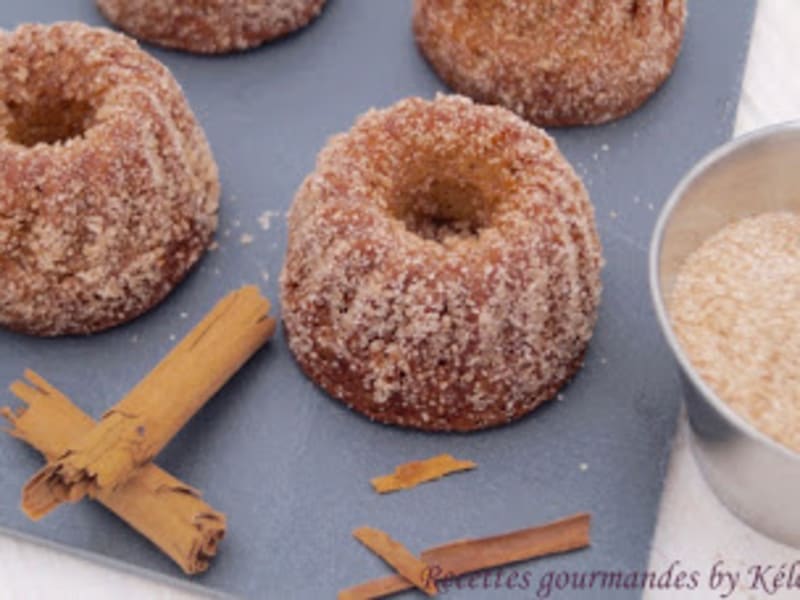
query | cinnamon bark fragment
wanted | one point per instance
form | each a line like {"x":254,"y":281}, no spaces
{"x":414,"y":473}
{"x":133,"y":432}
{"x":468,"y":556}
{"x":398,"y":557}
{"x":169,"y":513}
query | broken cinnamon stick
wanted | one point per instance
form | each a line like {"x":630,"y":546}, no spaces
{"x":468,"y":556}
{"x":139,"y":426}
{"x":396,"y":556}
{"x":165,"y":510}
{"x":414,"y":473}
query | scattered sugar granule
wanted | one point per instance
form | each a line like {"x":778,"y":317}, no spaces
{"x":650,"y":206}
{"x":605,"y":147}
{"x":583,"y":467}
{"x":636,"y":200}
{"x":184,"y":315}
{"x":613,"y":214}
{"x":237,"y":223}
{"x":246,"y":239}
{"x":265,"y":275}
{"x":227,"y":233}
{"x":265,"y":220}
{"x":134,"y":339}
{"x":172,"y":337}
{"x":735,"y":307}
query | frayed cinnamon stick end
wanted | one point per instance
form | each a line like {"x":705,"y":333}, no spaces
{"x":48,"y":489}
{"x":212,"y":528}
{"x":11,"y":417}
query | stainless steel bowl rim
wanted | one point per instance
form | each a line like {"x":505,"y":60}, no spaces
{"x":714,"y":157}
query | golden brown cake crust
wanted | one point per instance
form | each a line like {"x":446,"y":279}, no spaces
{"x":443,"y":266}
{"x":554,"y":62}
{"x":210,"y":26}
{"x":108,"y":189}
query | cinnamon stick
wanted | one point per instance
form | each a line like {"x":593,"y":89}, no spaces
{"x":468,"y":556}
{"x":165,"y":510}
{"x":396,"y":556}
{"x":414,"y":473}
{"x":140,"y":425}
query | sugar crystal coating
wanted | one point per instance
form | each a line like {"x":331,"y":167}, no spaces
{"x":443,"y":266}
{"x":555,"y":62}
{"x":108,"y":189}
{"x":210,"y":26}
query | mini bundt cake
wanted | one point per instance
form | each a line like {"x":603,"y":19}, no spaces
{"x":443,"y":267}
{"x":210,"y":26}
{"x":555,"y":62}
{"x":109,"y":190}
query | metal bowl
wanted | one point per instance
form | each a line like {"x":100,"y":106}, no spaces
{"x":756,"y":477}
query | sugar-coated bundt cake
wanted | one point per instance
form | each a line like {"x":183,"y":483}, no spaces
{"x":555,"y":62}
{"x":108,"y":189}
{"x":443,"y":266}
{"x":210,"y":26}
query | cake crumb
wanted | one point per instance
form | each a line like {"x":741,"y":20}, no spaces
{"x":265,"y":220}
{"x":246,"y":239}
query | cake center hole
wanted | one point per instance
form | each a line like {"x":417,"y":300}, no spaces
{"x":48,"y":121}
{"x":443,"y":208}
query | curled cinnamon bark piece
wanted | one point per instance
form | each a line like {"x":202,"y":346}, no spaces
{"x":139,"y":426}
{"x":414,"y":473}
{"x":165,"y":510}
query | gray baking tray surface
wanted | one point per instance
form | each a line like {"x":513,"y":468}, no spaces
{"x":290,"y":466}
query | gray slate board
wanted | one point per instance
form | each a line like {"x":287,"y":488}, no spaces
{"x":290,"y":466}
